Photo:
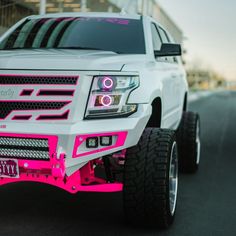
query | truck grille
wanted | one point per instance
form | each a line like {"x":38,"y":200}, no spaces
{"x":7,"y":107}
{"x":37,"y":97}
{"x":24,"y":148}
{"x":31,"y":79}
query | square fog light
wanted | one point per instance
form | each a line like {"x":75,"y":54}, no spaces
{"x":106,"y":140}
{"x":92,"y":142}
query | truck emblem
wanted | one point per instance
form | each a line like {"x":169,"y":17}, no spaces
{"x":6,"y":93}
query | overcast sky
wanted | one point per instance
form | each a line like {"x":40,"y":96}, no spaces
{"x":210,"y":29}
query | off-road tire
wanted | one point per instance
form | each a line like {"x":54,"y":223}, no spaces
{"x":187,"y":145}
{"x":146,"y":179}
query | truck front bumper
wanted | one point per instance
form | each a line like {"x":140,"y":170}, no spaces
{"x":69,"y":140}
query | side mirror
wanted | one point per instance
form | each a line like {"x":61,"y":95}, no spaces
{"x":169,"y":50}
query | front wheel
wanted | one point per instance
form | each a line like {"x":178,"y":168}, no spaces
{"x":151,"y":179}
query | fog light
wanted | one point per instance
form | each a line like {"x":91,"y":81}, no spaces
{"x":92,"y":142}
{"x":106,"y":141}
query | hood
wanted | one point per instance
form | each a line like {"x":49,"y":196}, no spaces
{"x":63,"y":60}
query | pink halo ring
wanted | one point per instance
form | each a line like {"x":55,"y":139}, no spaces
{"x":103,"y":103}
{"x":105,"y":80}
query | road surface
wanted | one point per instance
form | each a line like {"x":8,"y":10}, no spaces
{"x":206,"y":206}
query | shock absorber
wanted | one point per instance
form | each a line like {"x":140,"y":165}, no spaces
{"x":108,"y":171}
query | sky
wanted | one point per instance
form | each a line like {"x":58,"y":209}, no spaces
{"x":210,"y":30}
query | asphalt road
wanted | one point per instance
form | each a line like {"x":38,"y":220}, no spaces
{"x":206,"y":206}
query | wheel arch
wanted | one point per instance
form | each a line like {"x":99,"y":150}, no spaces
{"x":185,"y":105}
{"x":156,"y":117}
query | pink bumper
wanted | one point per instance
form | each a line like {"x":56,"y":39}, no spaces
{"x":53,"y":170}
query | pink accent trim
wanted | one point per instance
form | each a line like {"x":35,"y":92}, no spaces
{"x":65,"y":19}
{"x":40,"y":117}
{"x":52,"y":141}
{"x":54,"y":90}
{"x":104,"y":188}
{"x":70,"y":184}
{"x":67,"y":103}
{"x":42,"y":76}
{"x":18,"y":117}
{"x":34,"y":101}
{"x":24,"y":90}
{"x":121,"y":137}
{"x":34,"y":165}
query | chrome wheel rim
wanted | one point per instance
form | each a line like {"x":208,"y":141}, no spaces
{"x":173,"y":178}
{"x":198,"y":142}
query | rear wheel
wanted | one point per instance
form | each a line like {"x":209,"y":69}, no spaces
{"x":189,"y":144}
{"x":151,"y":179}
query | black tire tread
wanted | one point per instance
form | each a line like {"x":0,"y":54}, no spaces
{"x":186,"y":137}
{"x":146,"y":184}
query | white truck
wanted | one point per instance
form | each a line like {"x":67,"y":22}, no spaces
{"x":97,"y":102}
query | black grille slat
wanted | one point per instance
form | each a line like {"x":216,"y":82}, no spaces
{"x":43,"y":149}
{"x":27,"y":92}
{"x":56,"y":93}
{"x":7,"y":107}
{"x":21,"y":117}
{"x":57,"y":80}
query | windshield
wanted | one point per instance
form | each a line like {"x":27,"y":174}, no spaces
{"x":109,"y":34}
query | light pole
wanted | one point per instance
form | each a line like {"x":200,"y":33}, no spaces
{"x":83,"y":5}
{"x":145,"y":7}
{"x":42,"y":8}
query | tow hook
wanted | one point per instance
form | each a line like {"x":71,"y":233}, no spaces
{"x":58,"y":166}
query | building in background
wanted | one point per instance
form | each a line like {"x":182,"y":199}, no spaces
{"x":231,"y":85}
{"x":200,"y":79}
{"x":11,"y":12}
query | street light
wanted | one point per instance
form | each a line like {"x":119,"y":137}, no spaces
{"x":42,"y":8}
{"x":83,"y":5}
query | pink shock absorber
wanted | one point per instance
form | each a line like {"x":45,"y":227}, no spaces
{"x":94,"y":184}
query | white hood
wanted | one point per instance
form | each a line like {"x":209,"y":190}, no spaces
{"x":63,"y":60}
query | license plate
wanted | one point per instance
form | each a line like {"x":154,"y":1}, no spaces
{"x":9,"y":168}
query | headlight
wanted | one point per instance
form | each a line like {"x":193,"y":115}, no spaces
{"x":109,"y":95}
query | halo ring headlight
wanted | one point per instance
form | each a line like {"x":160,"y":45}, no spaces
{"x":106,"y":100}
{"x":108,"y":82}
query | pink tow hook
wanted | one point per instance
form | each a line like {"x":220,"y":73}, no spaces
{"x":58,"y":166}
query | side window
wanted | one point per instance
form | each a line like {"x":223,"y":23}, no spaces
{"x":156,"y":39}
{"x":164,"y":36}
{"x":165,"y":39}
